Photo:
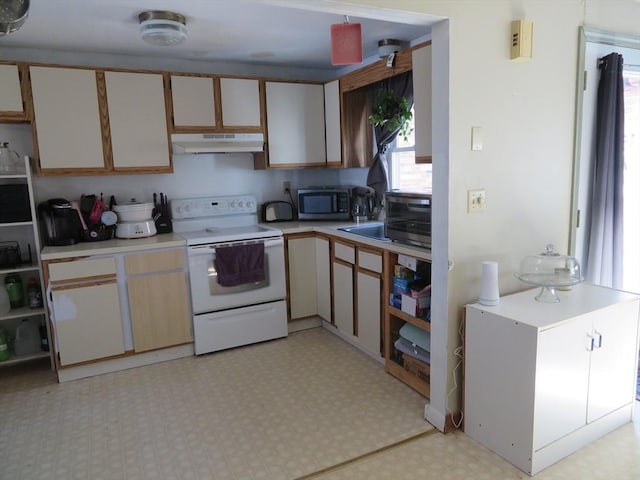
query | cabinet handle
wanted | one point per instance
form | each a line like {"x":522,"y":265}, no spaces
{"x":599,"y":335}
{"x":590,"y":342}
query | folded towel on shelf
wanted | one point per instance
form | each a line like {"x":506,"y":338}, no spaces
{"x":240,"y":264}
{"x":416,"y":336}
{"x":411,"y":349}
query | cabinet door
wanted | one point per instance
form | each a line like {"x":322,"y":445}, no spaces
{"x":240,"y":102}
{"x":369,"y":288}
{"x":343,"y":297}
{"x":613,"y":360}
{"x":295,"y":124}
{"x":67,"y":118}
{"x":193,"y":101}
{"x":160,"y":314}
{"x":562,"y":381}
{"x":421,"y":59}
{"x":138,"y":121}
{"x":332,"y":121}
{"x":302,"y":277}
{"x":323,"y":278}
{"x":88,"y":323}
{"x":10,"y":92}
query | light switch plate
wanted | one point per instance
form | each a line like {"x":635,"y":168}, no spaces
{"x":476,"y":200}
{"x":476,"y":139}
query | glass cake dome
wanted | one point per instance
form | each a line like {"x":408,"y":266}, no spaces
{"x":549,"y":270}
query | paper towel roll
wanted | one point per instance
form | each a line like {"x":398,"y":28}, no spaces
{"x":489,"y":293}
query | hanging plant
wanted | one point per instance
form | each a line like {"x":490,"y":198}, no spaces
{"x":392,"y":111}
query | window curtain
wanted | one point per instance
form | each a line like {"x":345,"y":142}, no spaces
{"x":604,"y":261}
{"x":378,"y":175}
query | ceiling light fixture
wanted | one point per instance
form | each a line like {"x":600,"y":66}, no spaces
{"x":346,"y":43}
{"x":162,"y":28}
{"x":387,"y":48}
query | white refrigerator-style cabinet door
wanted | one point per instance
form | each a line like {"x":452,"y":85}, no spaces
{"x":295,"y":124}
{"x":613,"y":358}
{"x":368,"y":300}
{"x":561,"y":381}
{"x":193,"y":100}
{"x":10,"y":92}
{"x":323,"y":278}
{"x":302,"y":278}
{"x":138,"y":121}
{"x":88,"y":323}
{"x":240,"y":102}
{"x":67,"y":118}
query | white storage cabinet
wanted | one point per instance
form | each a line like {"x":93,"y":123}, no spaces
{"x":544,"y":379}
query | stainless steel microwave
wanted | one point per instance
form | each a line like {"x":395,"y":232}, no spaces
{"x":324,"y":203}
{"x":408,"y":217}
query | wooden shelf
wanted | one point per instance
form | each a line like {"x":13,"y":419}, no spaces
{"x":418,"y":322}
{"x":22,"y":312}
{"x":24,"y":358}
{"x":418,"y":384}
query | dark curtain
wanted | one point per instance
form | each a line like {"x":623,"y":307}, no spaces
{"x":378,"y":177}
{"x":604,"y":264}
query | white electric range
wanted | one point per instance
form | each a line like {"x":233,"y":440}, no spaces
{"x":227,"y":317}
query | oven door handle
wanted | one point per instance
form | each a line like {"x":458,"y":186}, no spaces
{"x":210,"y":249}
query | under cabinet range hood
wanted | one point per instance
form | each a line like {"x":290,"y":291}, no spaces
{"x":217,"y":142}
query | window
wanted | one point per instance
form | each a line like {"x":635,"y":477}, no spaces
{"x":404,"y":173}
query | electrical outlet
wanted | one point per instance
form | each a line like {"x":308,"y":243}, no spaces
{"x":286,"y":186}
{"x":476,"y":200}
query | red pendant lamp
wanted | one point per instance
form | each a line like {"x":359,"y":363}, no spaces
{"x":346,"y":43}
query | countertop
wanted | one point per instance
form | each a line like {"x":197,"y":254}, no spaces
{"x":115,"y":245}
{"x":166,"y":240}
{"x":331,"y":228}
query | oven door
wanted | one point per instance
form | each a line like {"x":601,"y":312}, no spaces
{"x":207,"y":295}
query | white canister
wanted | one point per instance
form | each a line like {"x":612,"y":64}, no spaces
{"x":489,"y":292}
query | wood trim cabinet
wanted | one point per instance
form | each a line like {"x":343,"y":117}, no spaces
{"x":295,"y":125}
{"x":332,"y":122}
{"x":204,"y":103}
{"x":89,"y":122}
{"x":12,"y":104}
{"x":542,"y":379}
{"x":394,"y":319}
{"x":159,"y":300}
{"x":421,"y":60}
{"x":86,"y":314}
{"x":308,"y":276}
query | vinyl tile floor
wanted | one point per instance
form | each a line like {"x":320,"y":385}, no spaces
{"x":306,"y":407}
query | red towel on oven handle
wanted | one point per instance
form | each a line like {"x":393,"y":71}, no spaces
{"x":240,"y":264}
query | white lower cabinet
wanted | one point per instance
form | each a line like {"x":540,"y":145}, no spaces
{"x":343,"y":297}
{"x":369,"y":290}
{"x":302,"y":279}
{"x":85,"y":306}
{"x":544,"y":379}
{"x":323,"y":278}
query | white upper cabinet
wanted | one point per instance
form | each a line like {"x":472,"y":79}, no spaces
{"x":240,"y":102}
{"x":205,"y":103}
{"x":10,"y":92}
{"x":332,"y":121}
{"x":421,"y":58}
{"x":295,"y":124}
{"x":193,"y":101}
{"x":138,"y":121}
{"x":67,"y":118}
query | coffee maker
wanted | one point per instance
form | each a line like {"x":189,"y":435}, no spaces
{"x":363,"y":202}
{"x":60,"y":223}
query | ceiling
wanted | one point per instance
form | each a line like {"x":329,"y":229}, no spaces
{"x":266,"y":32}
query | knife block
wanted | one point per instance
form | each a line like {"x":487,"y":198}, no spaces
{"x":163,"y":224}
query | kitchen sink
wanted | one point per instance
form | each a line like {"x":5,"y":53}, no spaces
{"x":374,"y":231}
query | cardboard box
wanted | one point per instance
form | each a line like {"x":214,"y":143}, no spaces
{"x":401,"y":285}
{"x":410,"y":262}
{"x":400,"y":271}
{"x":416,"y":307}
